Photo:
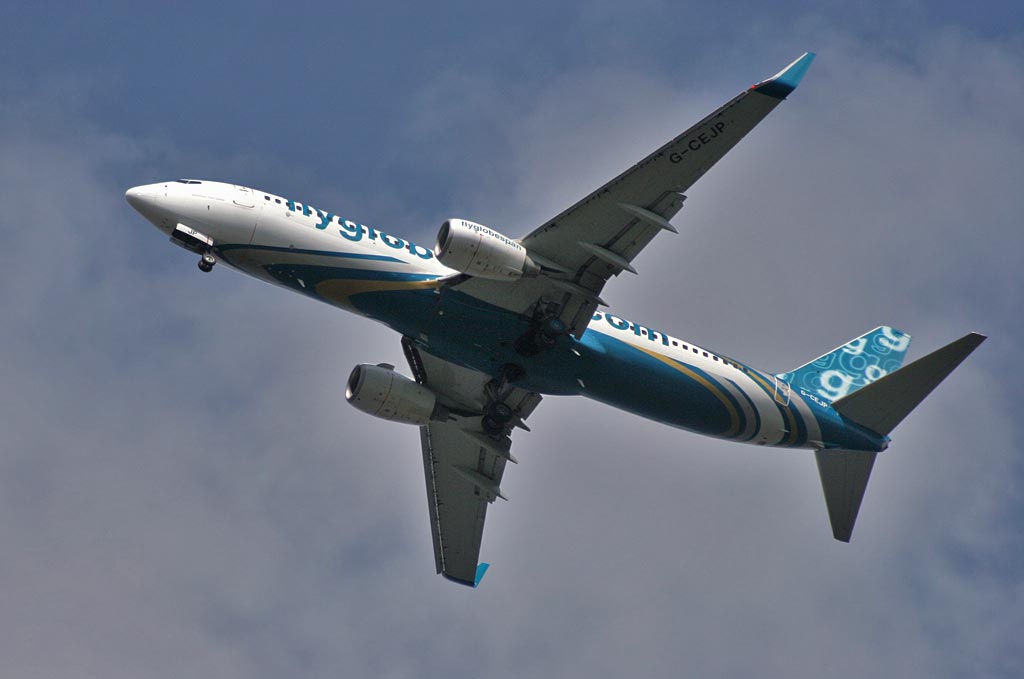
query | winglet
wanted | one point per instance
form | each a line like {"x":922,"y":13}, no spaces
{"x":481,"y":569}
{"x":785,"y":81}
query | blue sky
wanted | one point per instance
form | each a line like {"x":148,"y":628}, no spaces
{"x":183,"y":490}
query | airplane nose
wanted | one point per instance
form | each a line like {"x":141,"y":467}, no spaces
{"x":140,"y":197}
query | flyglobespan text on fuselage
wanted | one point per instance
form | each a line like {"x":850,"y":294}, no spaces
{"x":354,"y":231}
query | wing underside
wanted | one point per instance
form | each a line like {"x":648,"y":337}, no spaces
{"x":457,"y":502}
{"x":463,"y":465}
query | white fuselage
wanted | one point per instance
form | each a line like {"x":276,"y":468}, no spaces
{"x":374,"y":273}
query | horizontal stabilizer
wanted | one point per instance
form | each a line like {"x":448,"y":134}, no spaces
{"x":883,"y":404}
{"x":844,"y":478}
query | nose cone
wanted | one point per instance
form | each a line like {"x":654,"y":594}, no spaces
{"x":141,"y":197}
{"x":151,"y":202}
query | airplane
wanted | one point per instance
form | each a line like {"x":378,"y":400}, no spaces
{"x":490,"y":324}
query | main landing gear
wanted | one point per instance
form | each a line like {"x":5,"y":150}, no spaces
{"x":206,"y":262}
{"x":498,"y":416}
{"x":543,"y":335}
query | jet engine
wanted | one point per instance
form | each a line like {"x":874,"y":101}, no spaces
{"x":479,"y":251}
{"x":380,"y":391}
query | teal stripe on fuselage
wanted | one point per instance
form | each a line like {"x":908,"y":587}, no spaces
{"x":316,"y":274}
{"x":753,"y":408}
{"x":801,"y":425}
{"x":791,"y":419}
{"x":220,"y":250}
{"x":481,"y":336}
{"x":716,"y":381}
{"x":622,"y":375}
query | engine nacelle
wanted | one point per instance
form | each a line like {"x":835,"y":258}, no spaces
{"x":477,"y":250}
{"x":380,"y":391}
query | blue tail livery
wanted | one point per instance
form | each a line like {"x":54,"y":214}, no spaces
{"x":858,"y":362}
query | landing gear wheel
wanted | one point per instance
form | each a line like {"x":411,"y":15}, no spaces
{"x":207,"y":262}
{"x":543,"y":335}
{"x":497,"y":418}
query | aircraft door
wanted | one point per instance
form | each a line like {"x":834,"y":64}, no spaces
{"x":782,"y":391}
{"x":246,"y":198}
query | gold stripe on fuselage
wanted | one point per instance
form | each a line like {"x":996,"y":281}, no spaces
{"x":339,"y":291}
{"x":734,"y":416}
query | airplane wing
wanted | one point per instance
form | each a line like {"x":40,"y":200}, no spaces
{"x":600,"y":235}
{"x":463,"y":465}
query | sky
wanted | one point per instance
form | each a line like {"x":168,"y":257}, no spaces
{"x":185,"y":492}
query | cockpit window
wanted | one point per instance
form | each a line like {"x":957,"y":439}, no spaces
{"x":188,"y":181}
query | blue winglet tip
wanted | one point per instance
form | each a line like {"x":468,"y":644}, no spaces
{"x":481,"y":570}
{"x":786,"y":80}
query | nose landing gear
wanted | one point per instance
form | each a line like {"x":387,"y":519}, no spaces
{"x":207,"y":262}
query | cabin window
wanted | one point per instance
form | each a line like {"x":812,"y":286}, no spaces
{"x":705,"y":354}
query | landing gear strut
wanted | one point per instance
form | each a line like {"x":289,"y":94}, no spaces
{"x":497,"y":414}
{"x":207,"y":262}
{"x":496,"y":419}
{"x":543,"y":335}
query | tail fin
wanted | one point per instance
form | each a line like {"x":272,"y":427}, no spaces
{"x":880,"y":406}
{"x":859,"y":362}
{"x":883,"y":404}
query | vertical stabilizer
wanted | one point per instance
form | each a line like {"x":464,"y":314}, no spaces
{"x":859,"y":362}
{"x":844,"y":478}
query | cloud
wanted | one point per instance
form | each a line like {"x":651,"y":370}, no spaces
{"x":184,"y":490}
